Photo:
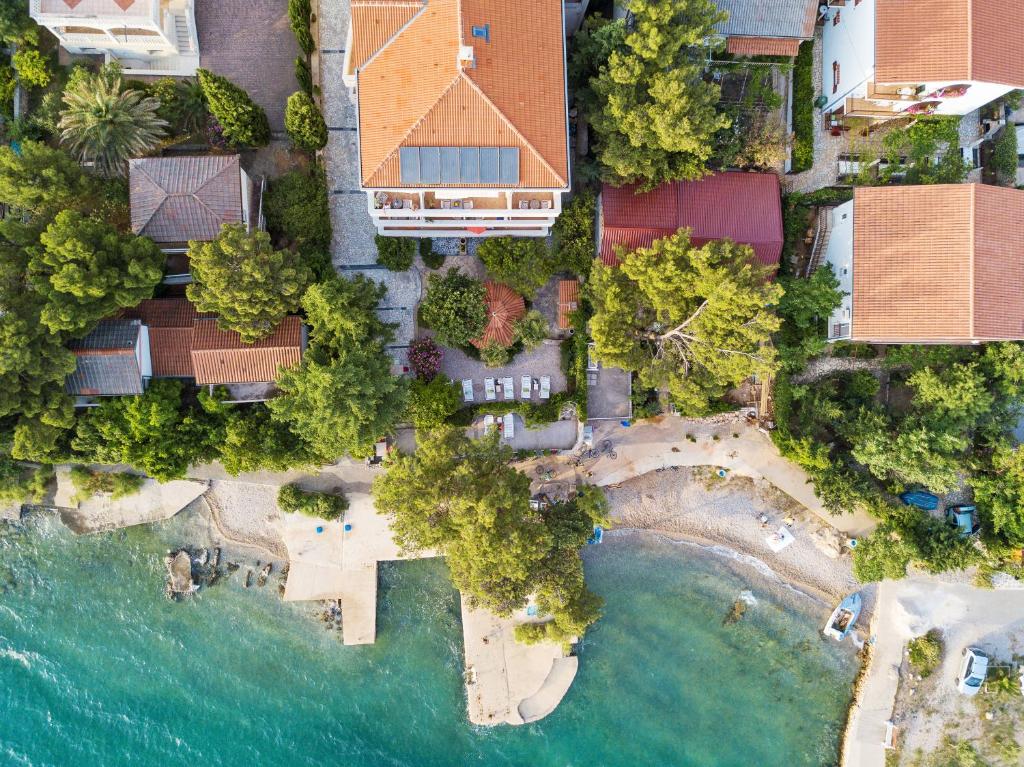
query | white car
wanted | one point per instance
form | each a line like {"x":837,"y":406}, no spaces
{"x":973,"y":670}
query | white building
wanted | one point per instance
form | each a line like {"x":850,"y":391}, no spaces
{"x":892,"y":58}
{"x":147,"y":37}
{"x":463,"y":124}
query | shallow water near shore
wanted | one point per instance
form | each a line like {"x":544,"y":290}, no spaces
{"x":97,"y":668}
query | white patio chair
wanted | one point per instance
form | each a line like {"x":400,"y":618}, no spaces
{"x":467,"y":389}
{"x":508,"y":386}
{"x":467,"y":204}
{"x":545,"y":387}
{"x":545,"y":204}
{"x":489,"y":393}
{"x":446,"y":204}
{"x":524,"y":205}
{"x":488,"y":423}
{"x":510,"y":426}
{"x":524,"y":388}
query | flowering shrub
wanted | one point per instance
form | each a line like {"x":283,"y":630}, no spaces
{"x":425,"y":358}
{"x":215,"y":133}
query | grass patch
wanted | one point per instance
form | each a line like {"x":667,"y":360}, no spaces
{"x":926,"y":653}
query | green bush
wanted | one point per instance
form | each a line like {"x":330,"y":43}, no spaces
{"x":1004,"y":156}
{"x":299,"y":15}
{"x":33,"y":67}
{"x":432,"y":403}
{"x":182,"y":105}
{"x":395,"y":253}
{"x":293,"y":500}
{"x":531,"y":329}
{"x":303,"y":75}
{"x":21,"y":484}
{"x":296,"y":208}
{"x":119,"y":484}
{"x":431,"y":258}
{"x":304,"y":123}
{"x":243,"y":121}
{"x":574,"y":235}
{"x":522,"y":263}
{"x":925,"y":653}
{"x":454,"y":308}
{"x":803,"y":108}
{"x":494,"y":355}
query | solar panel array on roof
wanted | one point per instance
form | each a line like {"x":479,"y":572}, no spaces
{"x":458,"y":165}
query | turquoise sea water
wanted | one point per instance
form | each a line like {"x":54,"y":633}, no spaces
{"x":97,"y":668}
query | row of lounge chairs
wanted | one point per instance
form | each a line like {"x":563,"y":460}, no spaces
{"x":508,"y":388}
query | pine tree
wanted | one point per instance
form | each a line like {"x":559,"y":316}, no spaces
{"x":304,"y":123}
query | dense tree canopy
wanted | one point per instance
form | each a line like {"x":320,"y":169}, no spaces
{"x":243,"y":120}
{"x":304,"y":123}
{"x":342,"y":398}
{"x":523,"y":263}
{"x":248,"y":284}
{"x":454,"y":308}
{"x":86,"y":270}
{"x":42,"y":181}
{"x":642,"y":85}
{"x":694,"y":320}
{"x":462,"y":498}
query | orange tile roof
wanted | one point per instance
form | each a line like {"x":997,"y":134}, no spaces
{"x":221,"y":357}
{"x":414,"y":92}
{"x":942,"y":40}
{"x":504,"y":307}
{"x":938,"y":264}
{"x":762,"y":46}
{"x":374,"y":23}
{"x":568,"y":301}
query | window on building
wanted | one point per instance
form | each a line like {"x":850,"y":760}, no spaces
{"x":835,"y":76}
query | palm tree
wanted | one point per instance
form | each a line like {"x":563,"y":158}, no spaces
{"x":104,"y":124}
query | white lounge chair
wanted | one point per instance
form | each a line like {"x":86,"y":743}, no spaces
{"x":488,"y":423}
{"x":467,"y":204}
{"x":524,"y":388}
{"x":489,"y":393}
{"x":467,"y":389}
{"x":510,"y":426}
{"x":508,"y":386}
{"x":545,"y":387}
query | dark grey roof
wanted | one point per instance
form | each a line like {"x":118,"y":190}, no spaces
{"x":768,"y":18}
{"x":106,"y":362}
{"x":176,"y":199}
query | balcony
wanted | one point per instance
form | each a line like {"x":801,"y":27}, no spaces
{"x":905,"y":92}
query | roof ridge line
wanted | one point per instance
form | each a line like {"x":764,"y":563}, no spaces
{"x":399,"y":31}
{"x":512,"y":127}
{"x":970,"y":272}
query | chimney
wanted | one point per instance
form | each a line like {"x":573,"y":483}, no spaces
{"x":466,"y":58}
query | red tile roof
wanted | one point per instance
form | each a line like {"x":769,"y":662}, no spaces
{"x":184,"y":343}
{"x":504,"y":307}
{"x":221,"y":357}
{"x":938,"y":264}
{"x":942,"y":40}
{"x":743,"y":207}
{"x":568,"y":301}
{"x":762,"y":46}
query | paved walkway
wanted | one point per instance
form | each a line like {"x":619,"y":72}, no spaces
{"x":352,"y":245}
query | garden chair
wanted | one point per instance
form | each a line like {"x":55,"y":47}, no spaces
{"x":508,"y":386}
{"x":524,"y":388}
{"x":510,"y":426}
{"x":489,"y":393}
{"x":545,"y":387}
{"x":467,"y":389}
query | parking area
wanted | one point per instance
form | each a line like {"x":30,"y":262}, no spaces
{"x":545,"y":360}
{"x":608,"y":394}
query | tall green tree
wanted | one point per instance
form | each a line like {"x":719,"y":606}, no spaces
{"x":241,"y":278}
{"x":243,"y":120}
{"x":42,"y":181}
{"x":304,"y":123}
{"x":342,"y":397}
{"x":454,"y":308}
{"x":653,"y":115}
{"x":154,"y":432}
{"x":107,"y":124}
{"x":999,"y":494}
{"x":523,"y":263}
{"x":16,"y":26}
{"x":254,"y":441}
{"x":694,"y":320}
{"x":86,"y":271}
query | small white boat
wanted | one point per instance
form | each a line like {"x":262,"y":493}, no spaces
{"x":844,"y":617}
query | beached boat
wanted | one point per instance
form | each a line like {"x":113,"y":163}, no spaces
{"x":844,"y":617}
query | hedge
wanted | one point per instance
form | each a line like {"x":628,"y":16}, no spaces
{"x":293,"y":500}
{"x":395,"y":253}
{"x":304,"y":123}
{"x":803,"y":109}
